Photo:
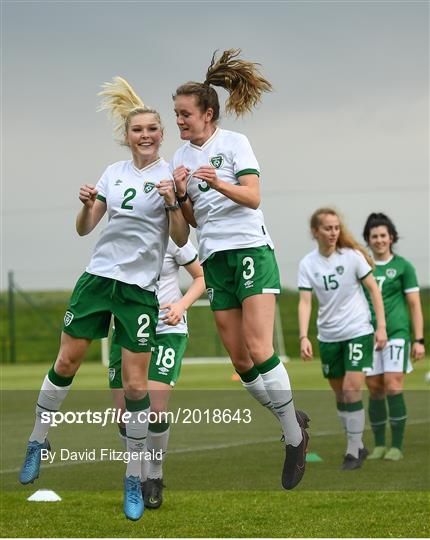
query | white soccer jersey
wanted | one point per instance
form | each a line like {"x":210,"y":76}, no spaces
{"x":343,"y":311}
{"x":221,"y":223}
{"x":131,"y":247}
{"x":169,"y":291}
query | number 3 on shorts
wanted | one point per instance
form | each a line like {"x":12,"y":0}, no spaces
{"x":250,"y":270}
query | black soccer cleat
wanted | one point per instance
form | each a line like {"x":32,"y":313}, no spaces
{"x":363,"y":453}
{"x":303,"y":421}
{"x":153,"y":492}
{"x":295,"y":462}
{"x":350,"y":463}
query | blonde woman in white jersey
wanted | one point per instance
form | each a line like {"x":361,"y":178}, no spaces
{"x":336,"y":271}
{"x":120,"y":279}
{"x":218,"y":187}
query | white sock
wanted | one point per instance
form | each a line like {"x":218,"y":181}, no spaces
{"x":354,"y":431}
{"x":342,"y":418}
{"x":278,"y":387}
{"x":258,"y":391}
{"x":157,"y":442}
{"x":137,"y":429}
{"x":50,"y":399}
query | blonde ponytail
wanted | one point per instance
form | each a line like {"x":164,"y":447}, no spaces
{"x":122,"y":103}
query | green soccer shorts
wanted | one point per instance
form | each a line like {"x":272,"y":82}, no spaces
{"x":166,"y":360}
{"x":95,"y":299}
{"x":234,"y":274}
{"x":351,"y":355}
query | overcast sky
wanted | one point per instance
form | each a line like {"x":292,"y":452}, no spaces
{"x":347,"y":124}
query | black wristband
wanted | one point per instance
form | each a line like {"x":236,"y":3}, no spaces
{"x":420,"y":341}
{"x":171,"y":207}
{"x":182,"y":199}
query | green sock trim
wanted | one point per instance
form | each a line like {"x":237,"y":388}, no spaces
{"x":249,"y":375}
{"x":158,"y":427}
{"x":269,"y":364}
{"x":136,"y":405}
{"x":340,"y":406}
{"x":378,"y":419}
{"x":352,"y":407}
{"x":122,"y":430}
{"x":59,"y":380}
{"x":397,"y":413}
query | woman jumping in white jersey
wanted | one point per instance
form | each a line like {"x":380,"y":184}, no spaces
{"x":218,"y":187}
{"x":336,"y":271}
{"x":120,"y":279}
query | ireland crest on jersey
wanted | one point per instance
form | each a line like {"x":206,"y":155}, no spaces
{"x":68,"y":318}
{"x":339,"y":270}
{"x":149,"y":186}
{"x":203,"y":186}
{"x":391,"y":272}
{"x":217,"y":161}
{"x":111,"y":374}
{"x":210,"y":293}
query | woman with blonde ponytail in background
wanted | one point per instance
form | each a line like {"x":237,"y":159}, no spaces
{"x":336,"y":271}
{"x":217,"y":179}
{"x":120,"y":279}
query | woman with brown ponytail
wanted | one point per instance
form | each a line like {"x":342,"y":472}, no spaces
{"x":218,"y":187}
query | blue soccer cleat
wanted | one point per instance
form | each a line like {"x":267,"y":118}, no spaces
{"x":133,"y":500}
{"x":30,"y":469}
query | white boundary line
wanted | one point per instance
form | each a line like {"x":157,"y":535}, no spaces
{"x":204,"y":448}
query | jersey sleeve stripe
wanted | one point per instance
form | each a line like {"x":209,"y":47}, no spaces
{"x":101,"y":198}
{"x":189,"y":262}
{"x":305,"y":289}
{"x":365,"y":275}
{"x":247,"y":171}
{"x":412,"y":289}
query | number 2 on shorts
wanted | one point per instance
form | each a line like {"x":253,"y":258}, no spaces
{"x":144,"y":321}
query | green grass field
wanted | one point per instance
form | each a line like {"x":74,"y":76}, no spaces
{"x":222,"y":479}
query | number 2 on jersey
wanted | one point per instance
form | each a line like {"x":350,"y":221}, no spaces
{"x":129,"y":194}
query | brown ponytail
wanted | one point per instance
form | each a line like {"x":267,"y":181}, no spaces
{"x":240,"y":78}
